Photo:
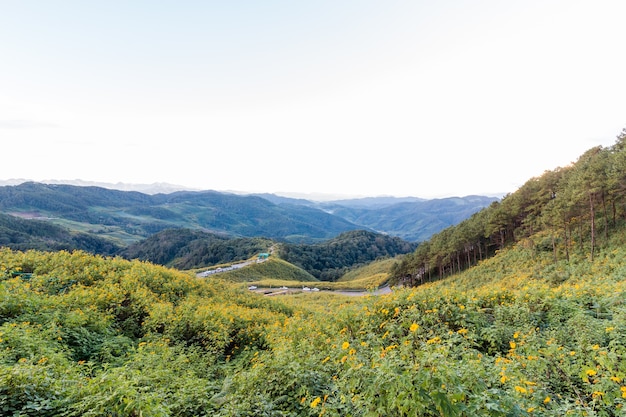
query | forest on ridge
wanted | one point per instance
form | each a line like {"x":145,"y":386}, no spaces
{"x":569,"y":209}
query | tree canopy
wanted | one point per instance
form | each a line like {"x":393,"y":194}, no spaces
{"x":569,"y":208}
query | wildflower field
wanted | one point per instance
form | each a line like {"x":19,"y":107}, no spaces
{"x":517,"y":335}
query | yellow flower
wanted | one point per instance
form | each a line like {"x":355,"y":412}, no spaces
{"x":315,"y":402}
{"x":345,"y":345}
{"x":623,"y":390}
{"x":547,"y":400}
{"x":435,"y":339}
{"x":414,"y":327}
{"x":521,"y":390}
{"x":462,"y":331}
{"x":616,"y":379}
{"x":590,"y":372}
{"x":513,"y":345}
{"x":515,"y":335}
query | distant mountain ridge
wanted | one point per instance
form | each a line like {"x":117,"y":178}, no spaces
{"x":130,"y":216}
{"x":153,"y":188}
{"x":411,"y":218}
{"x":136,"y":215}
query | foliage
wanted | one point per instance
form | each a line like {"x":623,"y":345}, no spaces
{"x":272,"y":268}
{"x":330,"y":260}
{"x":518,"y":334}
{"x":515,"y":335}
{"x":413,"y":220}
{"x":138,"y":215}
{"x":24,"y":234}
{"x":565,"y":211}
{"x":129,"y":217}
{"x":382,"y":266}
{"x":187,"y":249}
{"x":84,"y":335}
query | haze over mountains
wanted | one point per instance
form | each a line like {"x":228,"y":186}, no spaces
{"x":166,"y":188}
{"x":153,"y":188}
{"x":132,"y":215}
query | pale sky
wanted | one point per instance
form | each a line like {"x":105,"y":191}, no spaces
{"x":361,"y":98}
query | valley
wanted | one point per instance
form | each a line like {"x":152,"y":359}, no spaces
{"x":189,"y":229}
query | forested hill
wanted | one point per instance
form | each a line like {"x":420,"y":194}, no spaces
{"x":411,"y":218}
{"x":32,"y":234}
{"x":189,"y":249}
{"x":414,"y":220}
{"x":330,"y":260}
{"x":569,"y":209}
{"x":127,"y":216}
{"x":132,"y":216}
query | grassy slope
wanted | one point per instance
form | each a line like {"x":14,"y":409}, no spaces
{"x":276,"y":272}
{"x":369,"y":276}
{"x":516,"y":335}
{"x":273,"y":268}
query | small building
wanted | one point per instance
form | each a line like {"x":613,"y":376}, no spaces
{"x":264,"y":255}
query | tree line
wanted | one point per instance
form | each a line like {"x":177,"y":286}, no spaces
{"x":572,"y":208}
{"x":330,"y":260}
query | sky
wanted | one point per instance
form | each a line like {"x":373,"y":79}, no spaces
{"x":344,"y":97}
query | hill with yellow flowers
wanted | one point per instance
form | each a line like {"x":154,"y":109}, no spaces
{"x":86,"y":335}
{"x":535,"y":325}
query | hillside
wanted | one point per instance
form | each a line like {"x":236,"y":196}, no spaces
{"x":329,"y":260}
{"x":272,"y":269}
{"x":529,"y":319}
{"x":517,"y":311}
{"x":135,"y":216}
{"x":379,"y":269}
{"x":83,"y":335}
{"x":410,"y":219}
{"x":566,"y":211}
{"x":126,"y":217}
{"x":19,"y":233}
{"x":189,"y":249}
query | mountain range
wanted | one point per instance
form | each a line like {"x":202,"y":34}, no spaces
{"x":129,"y":216}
